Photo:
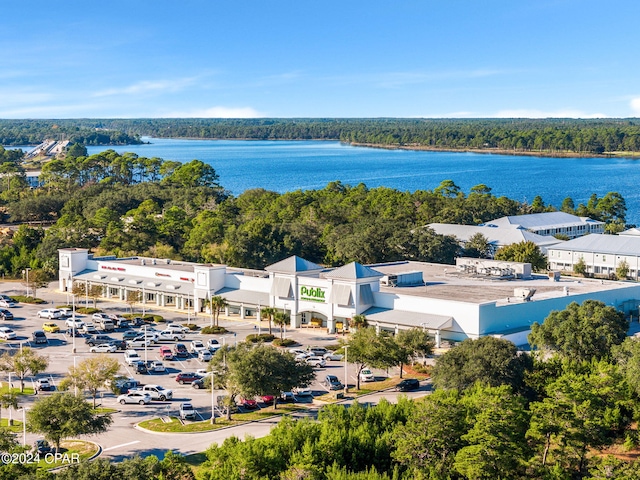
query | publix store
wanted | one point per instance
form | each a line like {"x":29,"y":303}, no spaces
{"x":393,"y":296}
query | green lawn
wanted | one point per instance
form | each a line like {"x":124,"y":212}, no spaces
{"x":5,"y":388}
{"x":101,"y":410}
{"x":16,"y":427}
{"x":73,"y":451}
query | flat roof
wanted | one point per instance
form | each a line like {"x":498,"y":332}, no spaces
{"x":445,"y":282}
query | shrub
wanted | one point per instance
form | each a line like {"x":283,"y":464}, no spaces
{"x":210,"y":330}
{"x":419,"y":368}
{"x":29,"y":299}
{"x":263,"y":337}
{"x":285,"y":342}
{"x":87,"y":310}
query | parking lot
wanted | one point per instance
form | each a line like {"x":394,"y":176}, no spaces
{"x":64,"y":349}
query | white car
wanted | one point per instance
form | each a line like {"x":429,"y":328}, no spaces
{"x":104,"y":348}
{"x":50,"y":313}
{"x":88,"y":328}
{"x":7,"y":303}
{"x":7,"y":333}
{"x":138,"y":342}
{"x":213,"y":345}
{"x":298,"y":353}
{"x":316,"y":361}
{"x":203,"y":372}
{"x":204,"y":355}
{"x":156,"y":366}
{"x":70,"y":323}
{"x":175,"y":327}
{"x":99,"y":316}
{"x":196,"y":346}
{"x":135,"y":396}
{"x":333,"y":356}
{"x":366,"y":375}
{"x":170,"y":336}
{"x":131,"y":357}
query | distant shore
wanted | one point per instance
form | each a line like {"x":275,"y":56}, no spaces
{"x":501,"y":151}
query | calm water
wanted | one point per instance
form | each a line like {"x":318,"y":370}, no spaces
{"x":285,"y":166}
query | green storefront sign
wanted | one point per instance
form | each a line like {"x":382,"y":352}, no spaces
{"x":312,"y":294}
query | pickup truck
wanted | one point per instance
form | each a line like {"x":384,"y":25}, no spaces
{"x":169,"y":336}
{"x":157,"y":392}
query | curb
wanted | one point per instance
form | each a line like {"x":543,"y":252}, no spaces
{"x":92,"y":457}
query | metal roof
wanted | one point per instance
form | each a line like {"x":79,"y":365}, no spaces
{"x":600,"y":243}
{"x":387,"y":317}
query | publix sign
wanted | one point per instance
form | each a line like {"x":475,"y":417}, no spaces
{"x":312,"y":294}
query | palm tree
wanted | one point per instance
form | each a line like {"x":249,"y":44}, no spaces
{"x":281,"y":319}
{"x":268,"y":313}
{"x":218,"y":303}
{"x":359,"y":321}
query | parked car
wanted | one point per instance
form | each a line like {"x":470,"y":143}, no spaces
{"x":8,"y":303}
{"x":166,"y":353}
{"x":137,"y":322}
{"x":366,"y":375}
{"x":157,"y":392}
{"x":103,"y":348}
{"x":156,"y":366}
{"x":50,"y":313}
{"x":268,"y":399}
{"x":198,"y":384}
{"x":408,"y":384}
{"x":180,"y":350}
{"x":170,"y":336}
{"x":332,"y":382}
{"x":187,"y":411}
{"x":142,"y":367}
{"x":204,"y":356}
{"x":97,"y":317}
{"x":248,"y":403}
{"x":187,"y":377}
{"x":338,"y":357}
{"x":129,"y":335}
{"x":135,"y":396}
{"x":119,"y":344}
{"x":39,"y":337}
{"x":98,"y":339}
{"x":66,"y":312}
{"x":6,"y":333}
{"x":43,"y":385}
{"x":318,"y":362}
{"x":299,"y":353}
{"x":177,"y":328}
{"x":287,"y":397}
{"x":5,"y":314}
{"x":41,"y":447}
{"x":213,"y":345}
{"x":89,"y":328}
{"x":123,"y":385}
{"x":71,"y":323}
{"x":50,"y":327}
{"x":138,"y":342}
{"x":319,"y":351}
{"x":303,"y":392}
{"x":195,"y":346}
{"x":131,"y":357}
{"x":107,"y":325}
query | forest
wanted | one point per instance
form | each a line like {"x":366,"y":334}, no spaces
{"x":544,"y":136}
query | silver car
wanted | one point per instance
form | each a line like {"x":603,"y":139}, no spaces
{"x":135,"y":397}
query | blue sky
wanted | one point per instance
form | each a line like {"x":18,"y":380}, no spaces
{"x":347,"y":58}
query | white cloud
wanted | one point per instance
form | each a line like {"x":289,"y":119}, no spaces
{"x":635,"y":105}
{"x":532,"y":113}
{"x":145,"y":87}
{"x":218,"y":112}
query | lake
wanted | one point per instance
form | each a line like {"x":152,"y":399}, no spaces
{"x":284,"y":166}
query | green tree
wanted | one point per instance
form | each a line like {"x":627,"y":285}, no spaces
{"x":412,"y":343}
{"x":567,"y":205}
{"x":581,"y":332}
{"x":580,"y":267}
{"x":478,"y":246}
{"x":358,"y":321}
{"x":38,"y":278}
{"x":496,"y":446}
{"x":488,"y":360}
{"x":8,"y":399}
{"x":268,"y":313}
{"x":524,"y":252}
{"x":368,"y":348}
{"x":22,"y":363}
{"x":92,"y":374}
{"x":622,"y":270}
{"x":62,"y":415}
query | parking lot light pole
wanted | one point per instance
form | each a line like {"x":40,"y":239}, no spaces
{"x":24,"y":426}
{"x":213,"y":397}
{"x":145,"y":344}
{"x":346,"y":372}
{"x":73,"y":326}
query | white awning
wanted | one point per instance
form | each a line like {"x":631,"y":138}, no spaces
{"x":281,"y":287}
{"x":341,"y":295}
{"x":402,"y":318}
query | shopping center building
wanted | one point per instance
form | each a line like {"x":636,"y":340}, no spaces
{"x":473,"y":299}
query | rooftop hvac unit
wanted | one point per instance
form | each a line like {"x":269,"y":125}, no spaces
{"x":524,"y":293}
{"x":389,"y":280}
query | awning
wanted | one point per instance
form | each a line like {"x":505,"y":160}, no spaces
{"x":341,"y":295}
{"x":366,"y":295}
{"x":281,"y":287}
{"x":247,"y":297}
{"x":390,"y":318}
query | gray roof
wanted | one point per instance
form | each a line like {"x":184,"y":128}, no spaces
{"x":136,"y":282}
{"x":631,"y":231}
{"x":387,"y":317}
{"x":353,"y":271}
{"x":600,"y":243}
{"x":498,"y":236}
{"x":543,"y":220}
{"x":248,"y":297}
{"x":293,"y":264}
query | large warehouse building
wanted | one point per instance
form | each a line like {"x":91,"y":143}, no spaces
{"x":476,"y":298}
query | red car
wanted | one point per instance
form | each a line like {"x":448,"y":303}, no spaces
{"x":268,"y":399}
{"x":188,"y":377}
{"x":248,"y":403}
